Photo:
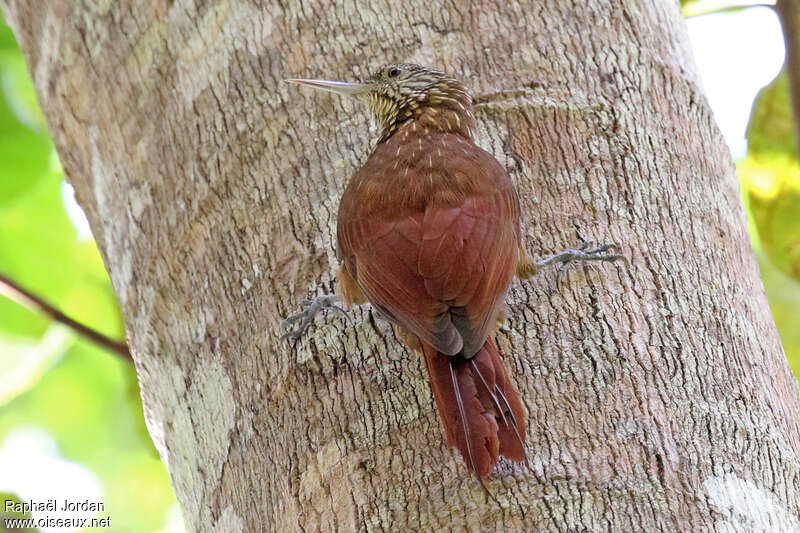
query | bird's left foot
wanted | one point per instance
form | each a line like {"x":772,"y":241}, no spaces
{"x":587,"y":252}
{"x":298,"y":323}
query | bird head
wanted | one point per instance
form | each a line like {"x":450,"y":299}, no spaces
{"x":403,"y":92}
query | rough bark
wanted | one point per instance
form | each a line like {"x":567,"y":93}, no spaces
{"x":659,"y":396}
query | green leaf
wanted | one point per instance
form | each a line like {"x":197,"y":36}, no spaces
{"x":770,"y":178}
{"x":21,"y":321}
{"x":770,"y":175}
{"x":7,"y":40}
{"x":24,"y":161}
{"x":19,"y":92}
{"x":770,"y":129}
{"x":783,"y":294}
{"x":24,"y":144}
{"x":12,"y":513}
{"x":91,"y":299}
{"x":38,"y":241}
{"x":772,"y":185}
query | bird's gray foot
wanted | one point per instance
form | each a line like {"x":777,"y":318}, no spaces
{"x":587,"y":252}
{"x":298,"y":323}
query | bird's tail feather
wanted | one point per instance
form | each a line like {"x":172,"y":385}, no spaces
{"x":478,"y":406}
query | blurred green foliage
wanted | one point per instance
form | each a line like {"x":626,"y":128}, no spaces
{"x":12,"y":514}
{"x":86,"y":398}
{"x":770,"y":178}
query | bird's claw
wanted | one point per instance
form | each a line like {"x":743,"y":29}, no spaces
{"x":309,"y":308}
{"x":586,"y":252}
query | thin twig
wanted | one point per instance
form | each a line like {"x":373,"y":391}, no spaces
{"x":729,"y":8}
{"x":23,"y":297}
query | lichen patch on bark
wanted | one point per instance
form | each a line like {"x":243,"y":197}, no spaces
{"x":745,"y":507}
{"x":191,"y":428}
{"x":229,"y":522}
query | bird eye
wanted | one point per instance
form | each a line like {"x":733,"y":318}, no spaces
{"x":393,"y":72}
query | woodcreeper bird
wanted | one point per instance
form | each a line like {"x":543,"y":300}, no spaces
{"x":429,"y":234}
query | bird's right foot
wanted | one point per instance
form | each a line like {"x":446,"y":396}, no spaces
{"x":587,"y":252}
{"x":298,"y":323}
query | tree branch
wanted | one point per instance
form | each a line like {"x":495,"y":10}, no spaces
{"x":23,"y":297}
{"x":789,"y":15}
{"x":727,"y":9}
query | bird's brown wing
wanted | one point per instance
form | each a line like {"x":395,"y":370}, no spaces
{"x":441,"y":273}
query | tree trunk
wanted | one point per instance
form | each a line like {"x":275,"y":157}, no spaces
{"x":658,"y":395}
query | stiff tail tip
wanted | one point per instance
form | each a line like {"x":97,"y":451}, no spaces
{"x":478,"y":406}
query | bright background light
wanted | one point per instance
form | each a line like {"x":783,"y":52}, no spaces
{"x":736,"y":54}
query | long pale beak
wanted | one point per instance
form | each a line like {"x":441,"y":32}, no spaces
{"x":339,"y":87}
